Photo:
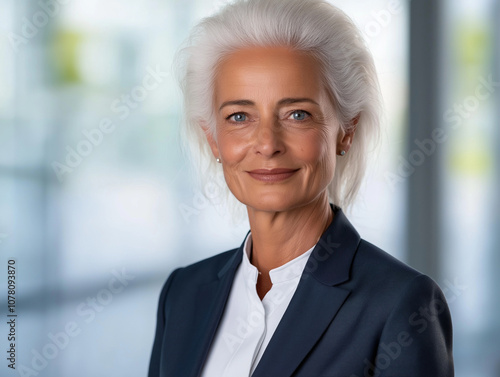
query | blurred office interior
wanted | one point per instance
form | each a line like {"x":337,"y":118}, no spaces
{"x":98,"y":204}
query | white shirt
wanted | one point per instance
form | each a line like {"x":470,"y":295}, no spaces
{"x":248,"y":323}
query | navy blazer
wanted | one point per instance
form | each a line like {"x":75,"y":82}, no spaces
{"x":357,"y":312}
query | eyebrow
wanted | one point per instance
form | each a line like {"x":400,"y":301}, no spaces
{"x":284,"y":101}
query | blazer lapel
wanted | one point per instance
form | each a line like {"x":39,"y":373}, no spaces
{"x":315,"y":302}
{"x":309,"y":313}
{"x":211,"y":301}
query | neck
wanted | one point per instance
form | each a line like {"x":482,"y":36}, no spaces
{"x":279,"y":237}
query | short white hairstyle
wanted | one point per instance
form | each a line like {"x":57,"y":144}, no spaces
{"x":315,"y":27}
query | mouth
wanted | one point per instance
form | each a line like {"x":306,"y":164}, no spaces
{"x":272,"y":175}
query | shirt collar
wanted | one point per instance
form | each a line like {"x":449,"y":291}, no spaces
{"x":289,"y":271}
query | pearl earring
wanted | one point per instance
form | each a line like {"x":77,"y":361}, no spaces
{"x":218,"y":160}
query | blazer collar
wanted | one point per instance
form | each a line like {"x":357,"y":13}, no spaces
{"x":316,"y":301}
{"x":312,"y":308}
{"x":330,"y":260}
{"x":234,"y":261}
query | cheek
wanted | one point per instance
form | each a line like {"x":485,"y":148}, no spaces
{"x":231,"y":147}
{"x":316,"y":148}
{"x":318,"y":153}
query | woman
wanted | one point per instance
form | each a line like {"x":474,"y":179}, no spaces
{"x":282,"y":96}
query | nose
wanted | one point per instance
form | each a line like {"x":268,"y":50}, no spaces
{"x":269,"y":137}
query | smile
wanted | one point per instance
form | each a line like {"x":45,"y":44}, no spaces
{"x":272,"y":175}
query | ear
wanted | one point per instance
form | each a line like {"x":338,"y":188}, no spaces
{"x":210,"y":138}
{"x":345,"y":137}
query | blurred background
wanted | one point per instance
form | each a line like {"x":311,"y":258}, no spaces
{"x":98,"y":204}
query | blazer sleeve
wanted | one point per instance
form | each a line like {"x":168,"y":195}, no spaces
{"x":154,"y":363}
{"x":417,"y":338}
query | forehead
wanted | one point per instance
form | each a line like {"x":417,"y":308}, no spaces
{"x":268,"y":71}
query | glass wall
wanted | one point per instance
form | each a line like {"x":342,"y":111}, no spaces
{"x":470,"y":206}
{"x":98,"y":204}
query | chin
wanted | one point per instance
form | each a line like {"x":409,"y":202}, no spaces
{"x":273,"y":202}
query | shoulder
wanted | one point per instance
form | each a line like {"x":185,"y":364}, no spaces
{"x":397,"y":296}
{"x":209,"y":267}
{"x":202,"y":272}
{"x":381,"y":265}
{"x":408,"y":310}
{"x":378,"y":276}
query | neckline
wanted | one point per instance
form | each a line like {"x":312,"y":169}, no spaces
{"x":290,"y":270}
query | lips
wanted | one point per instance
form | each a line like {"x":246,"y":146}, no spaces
{"x":272,"y":171}
{"x":272,"y":175}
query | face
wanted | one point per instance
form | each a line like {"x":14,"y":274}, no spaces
{"x":276,"y":133}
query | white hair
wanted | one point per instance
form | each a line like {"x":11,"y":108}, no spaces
{"x":312,"y":26}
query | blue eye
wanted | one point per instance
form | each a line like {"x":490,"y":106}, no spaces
{"x":238,"y":117}
{"x":299,"y":115}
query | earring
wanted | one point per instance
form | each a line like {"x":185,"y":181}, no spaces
{"x":218,"y":160}
{"x":342,"y":153}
